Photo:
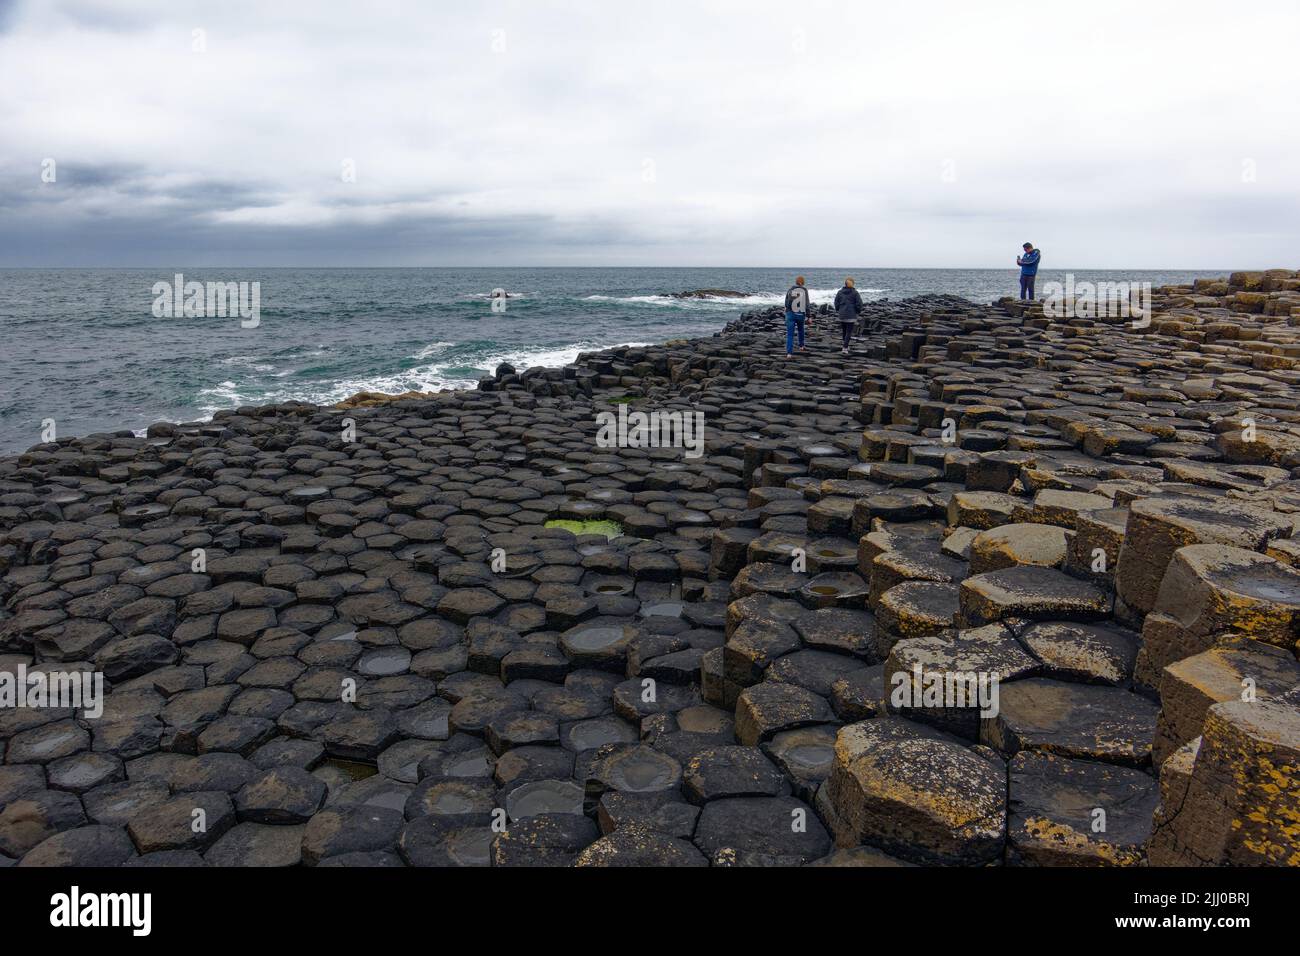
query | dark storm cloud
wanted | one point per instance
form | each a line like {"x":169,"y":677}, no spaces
{"x":39,"y":230}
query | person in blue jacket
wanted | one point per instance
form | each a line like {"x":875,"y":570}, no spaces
{"x":798,"y":305}
{"x":1028,"y":263}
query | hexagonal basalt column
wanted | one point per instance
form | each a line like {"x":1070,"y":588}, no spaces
{"x":916,"y":793}
{"x":1212,"y":590}
{"x":1240,"y":803}
{"x":1157,"y":527}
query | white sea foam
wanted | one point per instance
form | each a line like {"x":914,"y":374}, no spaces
{"x":225,"y":394}
{"x":717,"y":302}
{"x":248,"y":361}
{"x":550,"y":358}
{"x":433,"y":348}
{"x":448,"y":373}
{"x":488,"y":294}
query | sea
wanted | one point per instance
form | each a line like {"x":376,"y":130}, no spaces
{"x":96,"y":350}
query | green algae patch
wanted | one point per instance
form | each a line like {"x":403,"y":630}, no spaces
{"x":610,"y":529}
{"x":621,"y":400}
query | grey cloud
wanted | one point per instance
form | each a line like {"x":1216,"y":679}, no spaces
{"x":154,"y":238}
{"x":537,"y":155}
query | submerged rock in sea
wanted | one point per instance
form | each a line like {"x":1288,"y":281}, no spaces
{"x":710,"y":294}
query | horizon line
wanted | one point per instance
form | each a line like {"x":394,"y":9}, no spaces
{"x":784,"y":268}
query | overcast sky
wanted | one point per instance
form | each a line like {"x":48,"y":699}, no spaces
{"x":1111,"y":134}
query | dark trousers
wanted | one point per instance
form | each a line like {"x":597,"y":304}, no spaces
{"x":846,"y":330}
{"x":1027,"y":287}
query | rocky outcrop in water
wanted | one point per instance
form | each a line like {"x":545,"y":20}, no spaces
{"x":349,"y":637}
{"x":710,"y":294}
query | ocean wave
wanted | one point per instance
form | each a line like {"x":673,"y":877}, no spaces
{"x":222,"y":395}
{"x":248,"y":361}
{"x":718,"y":302}
{"x":432,"y":348}
{"x":488,"y":295}
{"x":549,"y":358}
{"x":450,"y":372}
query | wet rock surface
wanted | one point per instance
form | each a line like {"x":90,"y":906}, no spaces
{"x":933,"y":602}
{"x":1065,"y":812}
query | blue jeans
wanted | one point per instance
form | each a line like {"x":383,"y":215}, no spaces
{"x":1026,"y":285}
{"x":793,"y":320}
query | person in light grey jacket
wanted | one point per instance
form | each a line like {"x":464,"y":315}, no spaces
{"x":848,"y":304}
